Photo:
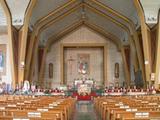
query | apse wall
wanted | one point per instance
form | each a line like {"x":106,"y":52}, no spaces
{"x":89,"y":58}
{"x":83,"y":35}
{"x":7,"y":76}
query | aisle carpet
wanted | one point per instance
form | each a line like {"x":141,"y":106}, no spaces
{"x":85,"y":111}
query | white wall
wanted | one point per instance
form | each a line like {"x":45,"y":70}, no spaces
{"x":83,"y":35}
{"x":6,"y":78}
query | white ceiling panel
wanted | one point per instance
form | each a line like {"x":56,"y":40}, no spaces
{"x":44,"y":7}
{"x":105,"y":24}
{"x":105,"y":11}
{"x":125,"y":7}
{"x":151,"y":8}
{"x":90,"y":16}
{"x":61,"y":25}
{"x":3,"y":20}
{"x":18,"y":9}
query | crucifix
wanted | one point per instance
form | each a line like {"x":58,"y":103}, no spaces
{"x":70,"y":62}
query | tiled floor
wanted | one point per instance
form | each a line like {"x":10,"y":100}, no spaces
{"x":85,"y":111}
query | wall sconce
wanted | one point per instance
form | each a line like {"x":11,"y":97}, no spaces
{"x":146,"y":62}
{"x":22,"y":64}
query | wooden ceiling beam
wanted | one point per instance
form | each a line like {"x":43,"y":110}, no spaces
{"x":23,"y":42}
{"x":146,"y":40}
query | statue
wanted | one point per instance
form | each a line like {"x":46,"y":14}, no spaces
{"x":83,"y":63}
{"x":82,"y":67}
{"x":26,"y":86}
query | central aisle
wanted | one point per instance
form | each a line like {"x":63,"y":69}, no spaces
{"x":85,"y":111}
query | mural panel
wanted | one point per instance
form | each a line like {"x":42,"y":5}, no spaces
{"x":2,"y":59}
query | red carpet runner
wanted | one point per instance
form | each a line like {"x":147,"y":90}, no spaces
{"x":84,"y":97}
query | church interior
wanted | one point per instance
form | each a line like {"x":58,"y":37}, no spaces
{"x":79,"y":60}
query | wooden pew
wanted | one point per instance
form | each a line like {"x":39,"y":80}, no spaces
{"x":61,"y":110}
{"x":109,"y":108}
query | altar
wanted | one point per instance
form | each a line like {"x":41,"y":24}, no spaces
{"x":88,"y":82}
{"x":84,"y":89}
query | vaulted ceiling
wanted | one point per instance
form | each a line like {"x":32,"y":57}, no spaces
{"x":97,"y":13}
{"x":57,"y":15}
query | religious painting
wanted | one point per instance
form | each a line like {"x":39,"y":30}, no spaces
{"x":83,"y":63}
{"x":50,"y":70}
{"x":2,"y":59}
